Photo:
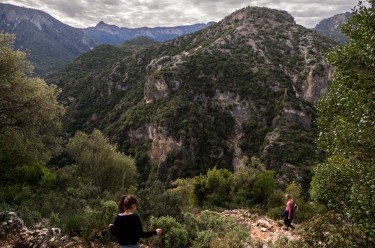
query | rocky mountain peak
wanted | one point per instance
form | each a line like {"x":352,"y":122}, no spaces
{"x":334,"y":23}
{"x":331,"y":27}
{"x":257,"y":14}
{"x":102,"y":24}
{"x":16,"y":15}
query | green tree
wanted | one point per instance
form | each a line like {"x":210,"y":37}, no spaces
{"x":264,"y":185}
{"x":252,"y":183}
{"x":100,"y":162}
{"x":29,"y":112}
{"x":213,"y":188}
{"x":294,"y":190}
{"x":345,"y":183}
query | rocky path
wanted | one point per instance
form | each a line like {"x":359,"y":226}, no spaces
{"x":264,"y":231}
{"x":261,"y":228}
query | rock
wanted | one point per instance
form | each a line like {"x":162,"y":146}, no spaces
{"x":54,"y":231}
{"x":11,"y":222}
{"x":260,"y":227}
{"x":41,"y":237}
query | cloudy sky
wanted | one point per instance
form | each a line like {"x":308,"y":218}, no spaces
{"x":153,"y":13}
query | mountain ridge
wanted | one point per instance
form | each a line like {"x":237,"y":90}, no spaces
{"x":331,"y":27}
{"x":245,"y":86}
{"x":50,"y":42}
{"x":114,"y":35}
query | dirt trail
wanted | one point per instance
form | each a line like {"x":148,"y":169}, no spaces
{"x":262,"y":228}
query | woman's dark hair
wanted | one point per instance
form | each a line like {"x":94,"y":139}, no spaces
{"x":126,"y":202}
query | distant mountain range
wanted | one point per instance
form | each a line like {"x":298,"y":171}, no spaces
{"x":331,"y":27}
{"x":51,"y":43}
{"x":104,"y":33}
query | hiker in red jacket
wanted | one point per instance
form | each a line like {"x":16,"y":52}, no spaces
{"x":288,"y":212}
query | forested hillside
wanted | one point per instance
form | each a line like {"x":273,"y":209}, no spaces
{"x":244,"y":86}
{"x":212,"y":132}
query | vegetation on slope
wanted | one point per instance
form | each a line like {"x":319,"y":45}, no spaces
{"x":257,"y":57}
{"x":80,"y":198}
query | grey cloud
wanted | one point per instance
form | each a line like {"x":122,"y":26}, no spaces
{"x":151,"y":13}
{"x":67,"y":7}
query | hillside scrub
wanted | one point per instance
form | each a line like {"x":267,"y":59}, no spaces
{"x":200,"y":110}
{"x":245,"y":86}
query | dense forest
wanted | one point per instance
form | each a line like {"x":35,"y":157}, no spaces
{"x":74,"y":180}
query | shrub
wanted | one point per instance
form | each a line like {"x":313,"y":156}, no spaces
{"x":29,"y":215}
{"x":206,"y":229}
{"x":236,"y":238}
{"x":97,"y":220}
{"x":264,"y":185}
{"x":175,"y":235}
{"x":14,"y":194}
{"x":203,"y":239}
{"x":74,"y":224}
{"x":214,"y":188}
{"x":333,"y":230}
{"x":34,"y":174}
{"x":157,"y":201}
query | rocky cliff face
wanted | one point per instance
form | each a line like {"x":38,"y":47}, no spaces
{"x":331,"y":27}
{"x":245,"y":86}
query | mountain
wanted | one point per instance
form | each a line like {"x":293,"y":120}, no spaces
{"x":50,"y":42}
{"x":245,"y":86}
{"x":331,"y":27}
{"x":104,"y":33}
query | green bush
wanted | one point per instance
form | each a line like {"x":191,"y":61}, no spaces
{"x":29,"y":215}
{"x":236,"y":238}
{"x":97,"y":220}
{"x":157,"y":201}
{"x":99,"y":161}
{"x":206,"y":229}
{"x":214,"y":188}
{"x":333,"y":230}
{"x":276,"y":213}
{"x":34,"y":174}
{"x":281,"y":242}
{"x":264,"y":185}
{"x":203,"y":239}
{"x":174,"y":234}
{"x":14,"y":194}
{"x":276,"y":199}
{"x":74,"y":224}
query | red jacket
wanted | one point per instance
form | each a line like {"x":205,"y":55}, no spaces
{"x":289,"y":207}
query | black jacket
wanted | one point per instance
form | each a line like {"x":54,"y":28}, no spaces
{"x":128,"y":229}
